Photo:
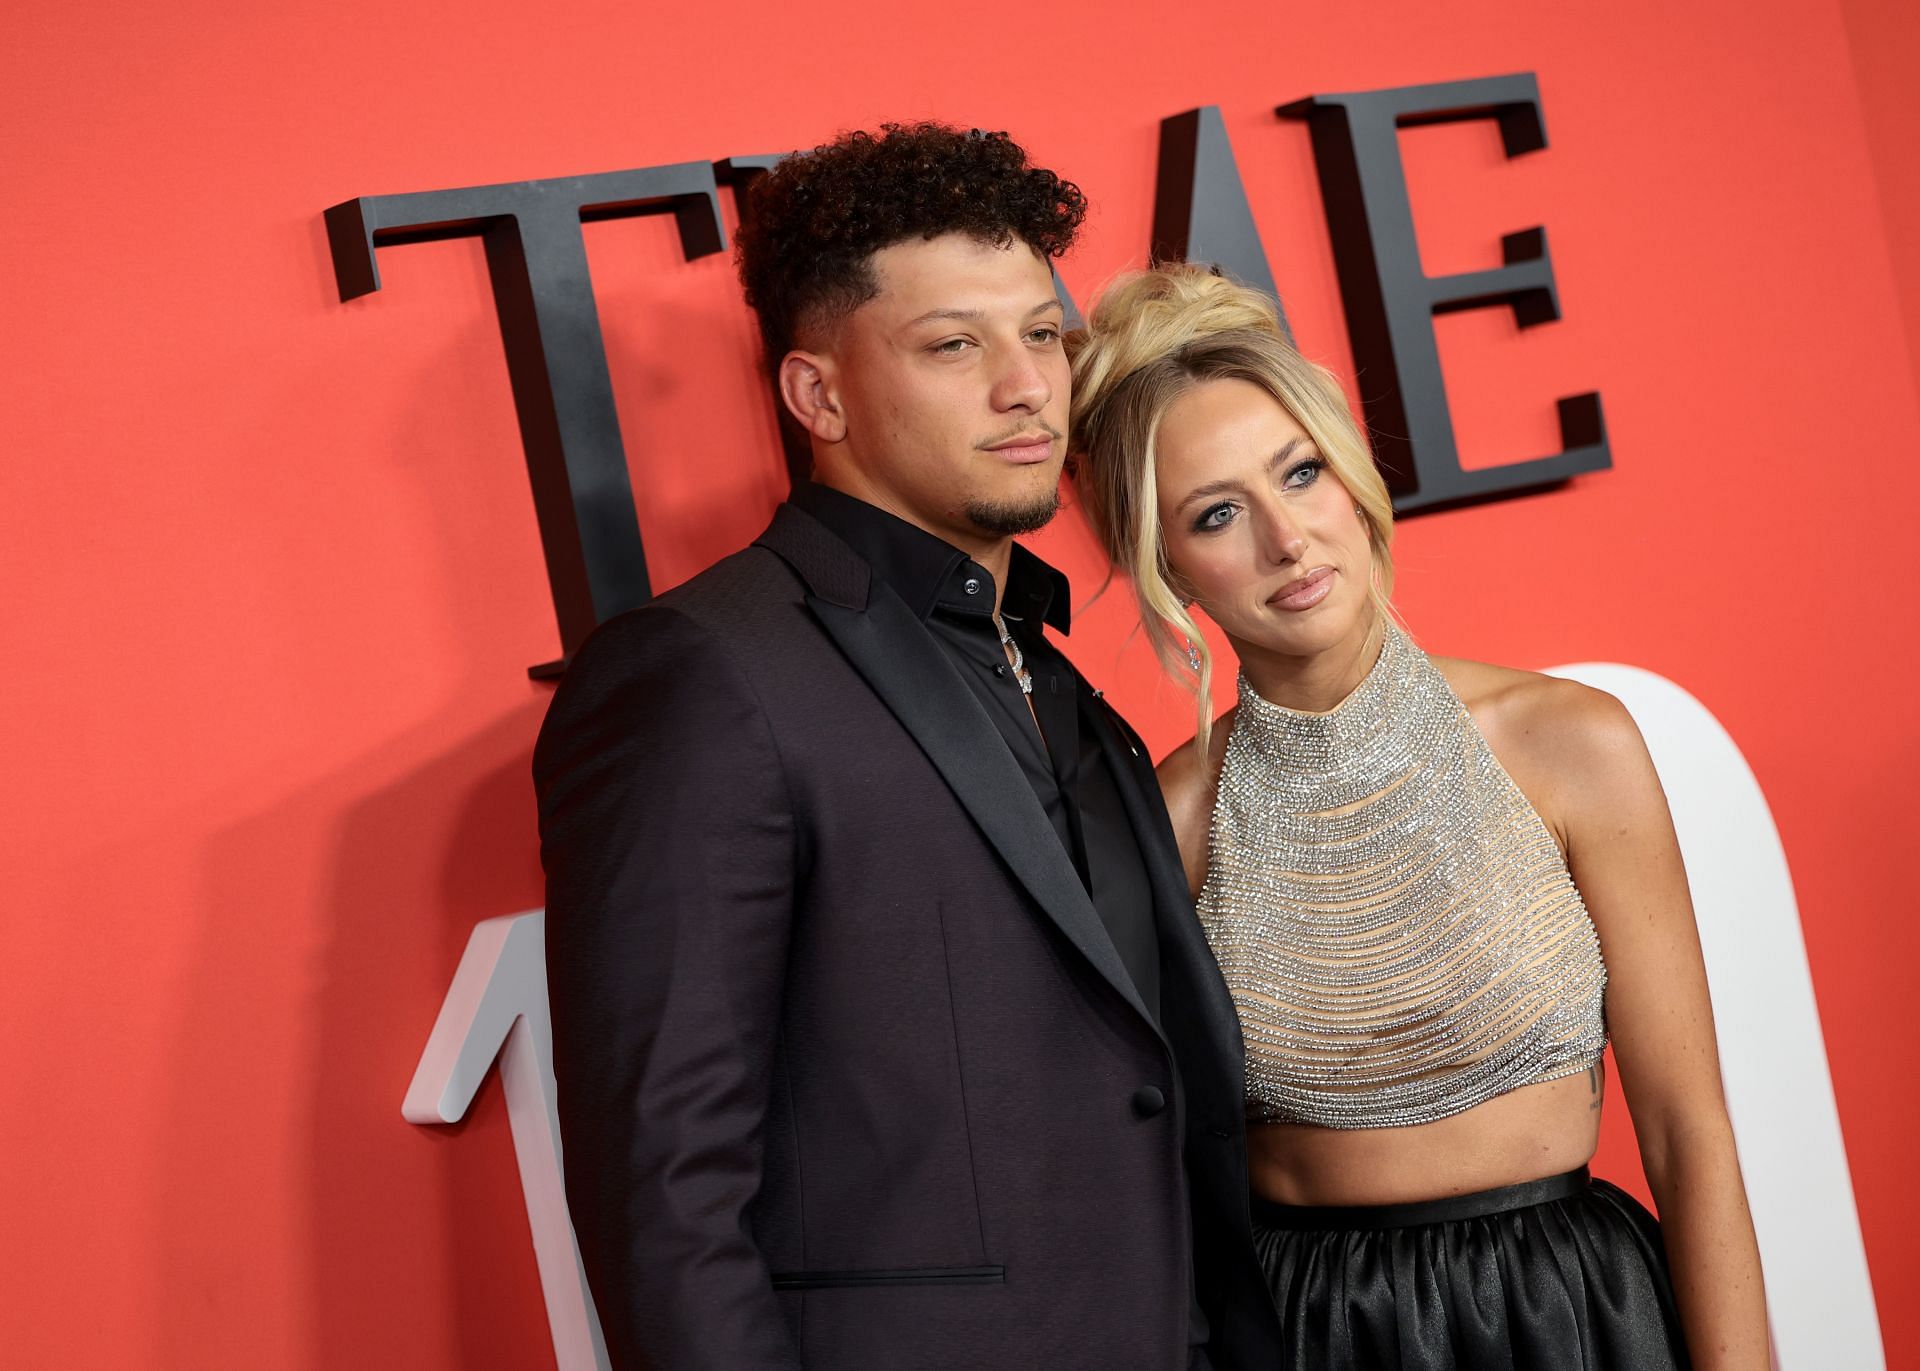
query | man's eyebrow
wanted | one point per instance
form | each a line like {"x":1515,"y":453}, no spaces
{"x":1223,"y":486}
{"x":974,"y":316}
{"x":964,"y":315}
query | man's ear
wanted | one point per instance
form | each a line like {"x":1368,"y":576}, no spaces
{"x":808,"y":387}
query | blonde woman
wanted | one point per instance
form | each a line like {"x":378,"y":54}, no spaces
{"x":1435,"y":888}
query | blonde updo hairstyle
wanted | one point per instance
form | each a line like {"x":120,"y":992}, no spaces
{"x":1153,"y":337}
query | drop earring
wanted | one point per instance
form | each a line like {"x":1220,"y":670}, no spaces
{"x":1193,"y":651}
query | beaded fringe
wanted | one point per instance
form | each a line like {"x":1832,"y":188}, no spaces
{"x":1397,"y":926}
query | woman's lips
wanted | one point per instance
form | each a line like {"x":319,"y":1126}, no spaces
{"x":1304,"y":592}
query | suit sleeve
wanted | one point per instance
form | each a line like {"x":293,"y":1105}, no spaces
{"x":669,"y":847}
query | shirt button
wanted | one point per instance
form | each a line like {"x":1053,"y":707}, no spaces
{"x":972,"y":586}
{"x":1148,"y":1101}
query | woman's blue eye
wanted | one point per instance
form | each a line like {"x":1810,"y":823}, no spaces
{"x":1216,"y":516}
{"x":1307,"y":472}
{"x":1046,"y":335}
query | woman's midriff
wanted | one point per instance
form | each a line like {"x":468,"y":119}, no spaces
{"x":1523,"y":1135}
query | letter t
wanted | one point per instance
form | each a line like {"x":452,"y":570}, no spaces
{"x":556,"y":358}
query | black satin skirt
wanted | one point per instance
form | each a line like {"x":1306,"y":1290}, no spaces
{"x":1561,"y":1274}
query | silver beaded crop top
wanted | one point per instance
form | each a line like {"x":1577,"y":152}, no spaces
{"x":1399,"y":930}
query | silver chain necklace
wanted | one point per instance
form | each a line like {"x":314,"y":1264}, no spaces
{"x":1020,"y":672}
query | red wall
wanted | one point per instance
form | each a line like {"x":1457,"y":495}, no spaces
{"x":275,"y":578}
{"x":1885,"y":38}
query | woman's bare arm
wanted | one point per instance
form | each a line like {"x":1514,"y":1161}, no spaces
{"x":1613,"y":817}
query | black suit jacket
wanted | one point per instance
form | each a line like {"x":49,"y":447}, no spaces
{"x":850,"y":1076}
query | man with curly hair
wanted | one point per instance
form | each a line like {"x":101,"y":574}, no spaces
{"x":884,"y":1033}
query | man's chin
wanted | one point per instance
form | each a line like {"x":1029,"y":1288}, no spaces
{"x":1009,"y":517}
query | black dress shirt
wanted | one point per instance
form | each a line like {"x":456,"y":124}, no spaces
{"x":1053,"y":742}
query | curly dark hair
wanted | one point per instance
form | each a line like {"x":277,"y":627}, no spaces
{"x":812,"y":224}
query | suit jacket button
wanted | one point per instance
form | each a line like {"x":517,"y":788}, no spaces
{"x":1148,"y":1101}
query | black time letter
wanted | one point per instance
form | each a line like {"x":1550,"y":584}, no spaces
{"x":1200,"y":210}
{"x":556,"y":358}
{"x":1390,"y":302}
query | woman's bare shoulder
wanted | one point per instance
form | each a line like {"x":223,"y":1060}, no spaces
{"x":1561,"y":741}
{"x":1188,"y":780}
{"x":1534,"y":712}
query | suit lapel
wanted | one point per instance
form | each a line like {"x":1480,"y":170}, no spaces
{"x":1192,"y":988}
{"x":896,"y":655}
